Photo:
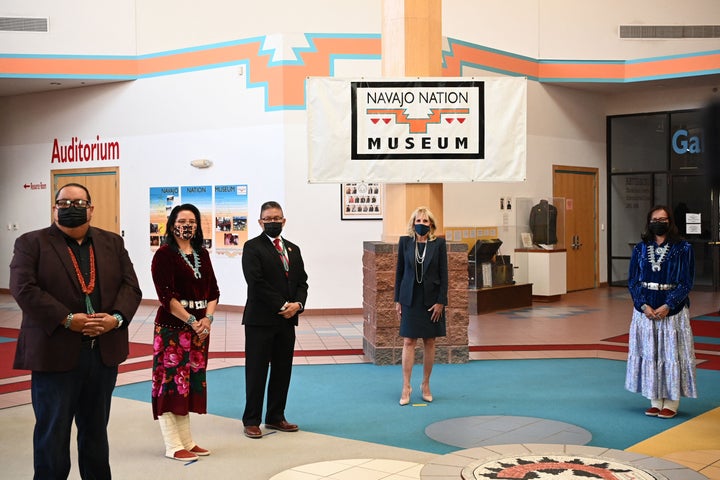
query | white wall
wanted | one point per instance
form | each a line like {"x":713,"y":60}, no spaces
{"x":577,"y":29}
{"x":76,"y":27}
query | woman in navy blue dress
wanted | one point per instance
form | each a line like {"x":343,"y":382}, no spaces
{"x":421,"y":292}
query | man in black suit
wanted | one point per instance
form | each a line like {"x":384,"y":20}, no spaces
{"x":78,"y":292}
{"x":277,"y":290}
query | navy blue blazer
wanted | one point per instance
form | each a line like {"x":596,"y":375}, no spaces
{"x":435,"y":272}
{"x":268,"y":287}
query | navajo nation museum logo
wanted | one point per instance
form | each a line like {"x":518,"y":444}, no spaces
{"x":398,"y":120}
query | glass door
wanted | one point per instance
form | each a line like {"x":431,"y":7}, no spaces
{"x":691,"y":201}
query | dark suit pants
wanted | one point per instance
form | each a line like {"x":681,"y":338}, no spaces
{"x":83,"y":394}
{"x":264,"y":346}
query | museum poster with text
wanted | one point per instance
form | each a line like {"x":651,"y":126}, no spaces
{"x":202,"y":197}
{"x":162,"y":201}
{"x":231,"y":215}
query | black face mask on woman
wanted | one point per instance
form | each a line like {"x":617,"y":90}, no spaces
{"x":659,"y":228}
{"x":421,"y":229}
{"x":72,"y":216}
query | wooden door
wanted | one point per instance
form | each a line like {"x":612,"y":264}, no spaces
{"x":578,"y":186}
{"x":102,"y":183}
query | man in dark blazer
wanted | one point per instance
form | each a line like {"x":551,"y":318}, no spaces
{"x":78,"y":292}
{"x":277,"y":290}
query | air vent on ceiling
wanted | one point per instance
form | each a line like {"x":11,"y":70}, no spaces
{"x":23,"y":24}
{"x":669,"y":31}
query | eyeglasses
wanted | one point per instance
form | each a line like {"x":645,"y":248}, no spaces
{"x":62,"y":204}
{"x":272,"y":219}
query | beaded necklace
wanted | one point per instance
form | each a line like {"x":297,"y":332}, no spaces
{"x":87,"y":289}
{"x":662,"y":251}
{"x":419,"y":260}
{"x":196,"y":260}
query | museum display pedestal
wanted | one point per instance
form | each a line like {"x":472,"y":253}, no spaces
{"x":501,"y":297}
{"x":546,"y":270}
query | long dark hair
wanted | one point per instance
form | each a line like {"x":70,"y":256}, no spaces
{"x":197,"y":240}
{"x":672,"y":236}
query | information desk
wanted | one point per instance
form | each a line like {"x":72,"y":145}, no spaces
{"x":501,"y":297}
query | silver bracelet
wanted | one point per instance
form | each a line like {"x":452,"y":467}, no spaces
{"x":68,"y":320}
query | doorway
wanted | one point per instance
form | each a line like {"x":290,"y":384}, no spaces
{"x":102,"y":183}
{"x":578,"y":186}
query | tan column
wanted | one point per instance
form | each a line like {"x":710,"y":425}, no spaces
{"x":411,"y":47}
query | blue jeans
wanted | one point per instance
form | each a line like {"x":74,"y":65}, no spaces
{"x":83,"y":394}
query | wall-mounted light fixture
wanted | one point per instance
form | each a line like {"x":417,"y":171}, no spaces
{"x":201,"y":163}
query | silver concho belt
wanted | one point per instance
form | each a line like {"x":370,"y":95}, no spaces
{"x":196,"y":304}
{"x":658,"y":286}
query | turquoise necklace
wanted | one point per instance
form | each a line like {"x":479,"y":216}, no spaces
{"x":196,"y":260}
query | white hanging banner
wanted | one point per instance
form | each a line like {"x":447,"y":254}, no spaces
{"x":420,"y":130}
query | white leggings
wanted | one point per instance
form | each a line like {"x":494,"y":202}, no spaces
{"x":176,"y":433}
{"x":665,"y":403}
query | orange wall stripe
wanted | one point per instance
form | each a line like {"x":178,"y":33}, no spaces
{"x":284,"y":81}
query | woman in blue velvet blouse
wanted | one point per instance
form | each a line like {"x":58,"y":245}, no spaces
{"x":661,"y":357}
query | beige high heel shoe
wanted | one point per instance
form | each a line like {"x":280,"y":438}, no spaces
{"x":426,"y":395}
{"x":405,"y":399}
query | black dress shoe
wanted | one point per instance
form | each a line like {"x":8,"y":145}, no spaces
{"x":283,"y":426}
{"x":253,"y":431}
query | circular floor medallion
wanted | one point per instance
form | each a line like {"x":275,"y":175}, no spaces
{"x":477,"y":431}
{"x":527,"y":467}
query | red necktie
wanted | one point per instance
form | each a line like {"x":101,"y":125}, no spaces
{"x":281,"y":252}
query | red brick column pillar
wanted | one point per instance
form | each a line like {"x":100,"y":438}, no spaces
{"x":381,"y":341}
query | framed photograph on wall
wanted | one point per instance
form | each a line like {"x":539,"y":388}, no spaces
{"x":361,"y":201}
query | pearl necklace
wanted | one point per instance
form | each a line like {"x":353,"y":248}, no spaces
{"x":419,"y":260}
{"x":196,"y":259}
{"x":663,"y":251}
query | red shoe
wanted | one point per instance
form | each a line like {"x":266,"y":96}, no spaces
{"x":652,"y":412}
{"x":184,"y":456}
{"x":197,"y":450}
{"x":666,"y":413}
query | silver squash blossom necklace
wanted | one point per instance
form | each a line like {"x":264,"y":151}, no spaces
{"x":196,"y":260}
{"x":662,"y":251}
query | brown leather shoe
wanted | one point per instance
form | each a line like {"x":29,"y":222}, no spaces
{"x":283,"y":426}
{"x":253,"y":431}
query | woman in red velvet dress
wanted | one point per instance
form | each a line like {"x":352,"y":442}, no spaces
{"x":188,"y":294}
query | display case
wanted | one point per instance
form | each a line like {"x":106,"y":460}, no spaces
{"x":541,"y":257}
{"x":540,"y":222}
{"x":487,"y":266}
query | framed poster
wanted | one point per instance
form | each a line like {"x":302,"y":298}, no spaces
{"x":361,"y":201}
